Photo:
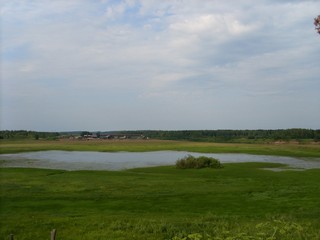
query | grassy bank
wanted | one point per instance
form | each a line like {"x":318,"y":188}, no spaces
{"x":161,"y":203}
{"x":280,"y":149}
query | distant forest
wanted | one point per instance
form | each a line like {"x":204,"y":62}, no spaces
{"x":233,"y":135}
{"x":189,"y":135}
{"x":23,"y":134}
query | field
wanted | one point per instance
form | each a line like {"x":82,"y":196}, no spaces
{"x":161,"y":203}
{"x":281,"y":149}
{"x":239,"y":201}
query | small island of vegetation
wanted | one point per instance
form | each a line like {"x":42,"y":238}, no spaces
{"x":199,"y":162}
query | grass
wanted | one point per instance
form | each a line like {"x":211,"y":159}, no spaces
{"x":239,"y":201}
{"x":285,"y":149}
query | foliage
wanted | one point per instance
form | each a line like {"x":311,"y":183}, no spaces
{"x":249,"y":136}
{"x":317,"y":24}
{"x":233,"y":135}
{"x":200,"y":162}
{"x":22,"y":134}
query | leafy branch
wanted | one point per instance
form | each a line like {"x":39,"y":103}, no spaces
{"x":317,"y":23}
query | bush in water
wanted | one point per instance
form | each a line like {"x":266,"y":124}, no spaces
{"x":190,"y":161}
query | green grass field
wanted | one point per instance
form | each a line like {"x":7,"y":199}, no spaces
{"x":283,"y":149}
{"x":240,"y":201}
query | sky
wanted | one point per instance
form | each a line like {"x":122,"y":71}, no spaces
{"x":103,"y":65}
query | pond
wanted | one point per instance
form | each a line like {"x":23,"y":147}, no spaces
{"x":77,"y":160}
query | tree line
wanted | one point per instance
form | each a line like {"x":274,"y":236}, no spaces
{"x":189,"y":135}
{"x":234,"y":135}
{"x":23,"y":134}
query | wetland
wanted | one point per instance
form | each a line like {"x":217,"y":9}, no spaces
{"x":86,"y":160}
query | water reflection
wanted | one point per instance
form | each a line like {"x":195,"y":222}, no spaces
{"x":125,"y":160}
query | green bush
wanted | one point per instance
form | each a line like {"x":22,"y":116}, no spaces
{"x":190,"y":161}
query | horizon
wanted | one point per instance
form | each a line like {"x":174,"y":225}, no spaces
{"x":167,"y":65}
{"x":169,"y":130}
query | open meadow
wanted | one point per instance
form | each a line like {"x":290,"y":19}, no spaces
{"x":294,"y":149}
{"x":240,"y":201}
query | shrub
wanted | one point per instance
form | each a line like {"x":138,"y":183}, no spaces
{"x":190,"y":161}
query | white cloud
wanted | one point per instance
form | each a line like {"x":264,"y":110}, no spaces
{"x":211,"y":24}
{"x":115,"y":11}
{"x":172,"y":52}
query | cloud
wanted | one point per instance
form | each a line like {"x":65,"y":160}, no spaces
{"x":211,"y":24}
{"x":168,"y":57}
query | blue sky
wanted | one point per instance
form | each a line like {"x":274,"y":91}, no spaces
{"x":151,"y":64}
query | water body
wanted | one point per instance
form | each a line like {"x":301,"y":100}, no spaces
{"x":77,"y":160}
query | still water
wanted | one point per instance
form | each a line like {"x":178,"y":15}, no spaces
{"x":77,"y":160}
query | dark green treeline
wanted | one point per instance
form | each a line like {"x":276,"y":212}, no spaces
{"x":232,"y":135}
{"x":190,"y":135}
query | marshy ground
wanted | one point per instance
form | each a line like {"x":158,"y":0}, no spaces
{"x":239,"y":201}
